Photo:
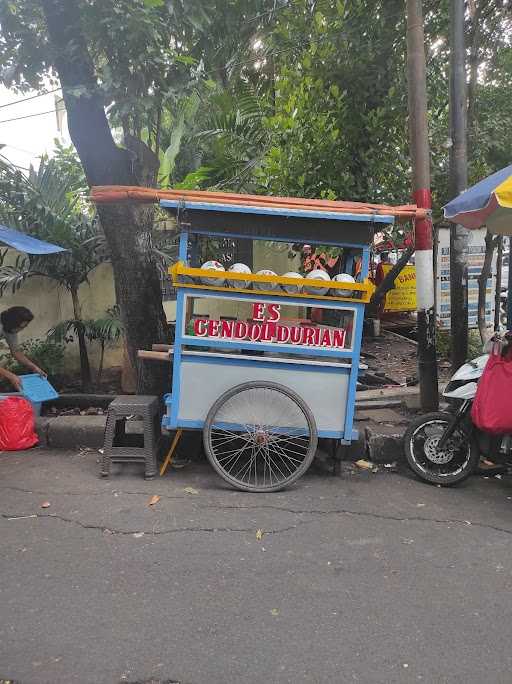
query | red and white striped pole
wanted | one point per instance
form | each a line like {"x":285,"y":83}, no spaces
{"x":420,"y":154}
{"x":424,"y":253}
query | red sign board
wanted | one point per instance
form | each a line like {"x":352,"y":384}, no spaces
{"x":265,"y":327}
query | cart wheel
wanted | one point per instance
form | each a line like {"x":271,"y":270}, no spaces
{"x":260,"y":436}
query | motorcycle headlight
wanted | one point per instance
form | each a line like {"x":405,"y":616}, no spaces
{"x":455,"y":384}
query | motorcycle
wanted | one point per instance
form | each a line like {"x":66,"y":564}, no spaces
{"x":444,"y":447}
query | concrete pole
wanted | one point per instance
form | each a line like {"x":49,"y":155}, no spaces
{"x":458,"y":183}
{"x":420,"y":154}
{"x":509,"y":298}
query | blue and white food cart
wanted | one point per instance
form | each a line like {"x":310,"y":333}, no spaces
{"x":264,"y":384}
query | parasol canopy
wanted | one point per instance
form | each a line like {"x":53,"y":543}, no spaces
{"x":488,"y":203}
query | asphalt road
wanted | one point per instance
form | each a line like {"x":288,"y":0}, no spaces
{"x":365,"y":578}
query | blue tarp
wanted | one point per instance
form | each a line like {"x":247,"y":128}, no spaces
{"x":26,"y":243}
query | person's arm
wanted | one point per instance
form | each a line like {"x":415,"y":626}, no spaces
{"x":25,"y":361}
{"x":11,"y":377}
{"x":12,"y":341}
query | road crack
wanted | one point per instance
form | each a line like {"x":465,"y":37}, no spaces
{"x":110,"y":492}
{"x":313,"y":512}
{"x":109,"y":530}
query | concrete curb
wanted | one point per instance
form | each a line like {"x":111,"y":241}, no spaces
{"x":377,"y":443}
{"x":385,"y":444}
{"x":71,"y":432}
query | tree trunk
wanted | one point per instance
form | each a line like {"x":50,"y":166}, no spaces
{"x":458,"y":183}
{"x":490,"y":244}
{"x":127,"y":227}
{"x":389,"y":280}
{"x":420,"y":157}
{"x":85,"y":368}
{"x":475,"y":39}
{"x":100,"y":365}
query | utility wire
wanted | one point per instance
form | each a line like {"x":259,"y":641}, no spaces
{"x":30,"y":116}
{"x":31,"y":97}
{"x":320,"y":39}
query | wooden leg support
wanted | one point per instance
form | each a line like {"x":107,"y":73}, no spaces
{"x":168,"y":458}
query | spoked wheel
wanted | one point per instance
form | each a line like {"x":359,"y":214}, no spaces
{"x":453,"y":464}
{"x":260,"y":436}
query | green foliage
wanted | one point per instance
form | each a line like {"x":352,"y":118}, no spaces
{"x":46,"y":205}
{"x":443,"y":344}
{"x":338,"y":126}
{"x":106,"y":330}
{"x":295,"y":98}
{"x":66,"y":332}
{"x":46,"y":354}
{"x":186,"y":111}
{"x":234,"y":139}
{"x":69,"y":168}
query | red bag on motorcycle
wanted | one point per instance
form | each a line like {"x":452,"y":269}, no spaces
{"x":492,"y":407}
{"x":17,"y":424}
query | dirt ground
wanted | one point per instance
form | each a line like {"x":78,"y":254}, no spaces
{"x":395,"y":356}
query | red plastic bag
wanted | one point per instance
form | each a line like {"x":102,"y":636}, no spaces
{"x":492,"y":407}
{"x":17,"y":424}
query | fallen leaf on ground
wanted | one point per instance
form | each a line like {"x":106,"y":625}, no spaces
{"x":364,"y":464}
{"x":191,"y":490}
{"x":154,"y":500}
{"x":274,"y":611}
{"x":259,"y":534}
{"x":45,"y":504}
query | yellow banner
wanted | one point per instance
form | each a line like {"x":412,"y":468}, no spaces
{"x":403,"y":297}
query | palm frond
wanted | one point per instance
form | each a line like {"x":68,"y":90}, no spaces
{"x":45,"y":205}
{"x":235,"y":136}
{"x":65,"y":331}
{"x":14,"y":275}
{"x":107,"y":330}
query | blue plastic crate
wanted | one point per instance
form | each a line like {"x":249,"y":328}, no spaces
{"x":37,"y":389}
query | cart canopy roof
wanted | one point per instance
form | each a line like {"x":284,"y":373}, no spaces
{"x":258,"y":216}
{"x":276,"y":223}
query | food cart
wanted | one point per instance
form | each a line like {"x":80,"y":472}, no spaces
{"x":264,"y":387}
{"x":279,"y":371}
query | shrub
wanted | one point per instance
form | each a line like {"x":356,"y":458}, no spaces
{"x":443,"y":344}
{"x":47,"y":355}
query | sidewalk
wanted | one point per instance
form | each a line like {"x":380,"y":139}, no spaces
{"x":370,"y":578}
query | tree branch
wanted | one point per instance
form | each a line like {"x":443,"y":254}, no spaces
{"x":389,"y":281}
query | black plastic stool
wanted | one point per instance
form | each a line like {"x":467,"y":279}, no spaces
{"x":120,"y":447}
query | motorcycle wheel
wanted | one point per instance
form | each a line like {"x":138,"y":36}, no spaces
{"x":458,"y":461}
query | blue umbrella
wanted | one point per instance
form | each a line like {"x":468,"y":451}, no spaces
{"x":488,"y":203}
{"x":26,"y":243}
